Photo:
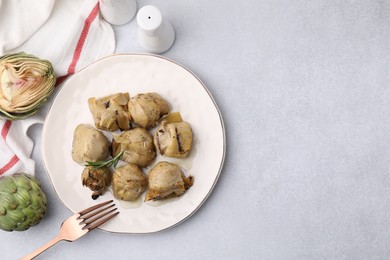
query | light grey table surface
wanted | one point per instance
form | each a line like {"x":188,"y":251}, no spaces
{"x":304,"y":89}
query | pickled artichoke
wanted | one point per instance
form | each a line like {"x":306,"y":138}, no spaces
{"x":26,"y":82}
{"x":146,"y":109}
{"x":173,"y":137}
{"x":128,"y":182}
{"x":111,"y":113}
{"x":96,"y":179}
{"x":166,"y":180}
{"x":137,"y":145}
{"x":89,"y":144}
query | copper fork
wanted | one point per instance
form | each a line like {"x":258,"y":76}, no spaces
{"x":80,"y":224}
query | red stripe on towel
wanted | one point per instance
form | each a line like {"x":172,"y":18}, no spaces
{"x":87,"y":24}
{"x":61,"y":79}
{"x":71,"y":69}
{"x":5,"y":129}
{"x":9,"y":165}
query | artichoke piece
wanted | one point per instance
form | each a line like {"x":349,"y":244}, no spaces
{"x":26,"y":82}
{"x":146,"y":109}
{"x":89,"y":144}
{"x":111,"y":113}
{"x":173,"y":137}
{"x":174,"y":117}
{"x":137,"y":145}
{"x":128,"y":182}
{"x":22,"y":202}
{"x":166,"y":180}
{"x":96,"y":179}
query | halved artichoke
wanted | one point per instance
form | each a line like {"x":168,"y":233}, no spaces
{"x":26,"y":82}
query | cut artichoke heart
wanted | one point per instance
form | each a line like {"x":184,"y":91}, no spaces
{"x":25,"y":84}
{"x":147,"y":108}
{"x":111,"y":113}
{"x":119,"y":139}
{"x":108,"y":120}
{"x":166,"y":180}
{"x":121,"y":100}
{"x":137,"y":145}
{"x":89,"y":144}
{"x":174,"y":137}
{"x":96,"y":179}
{"x":174,"y":117}
{"x":128,"y":182}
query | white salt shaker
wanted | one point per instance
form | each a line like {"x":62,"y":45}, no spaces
{"x":118,"y":12}
{"x":155,"y":34}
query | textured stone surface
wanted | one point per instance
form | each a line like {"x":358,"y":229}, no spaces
{"x":304,"y":88}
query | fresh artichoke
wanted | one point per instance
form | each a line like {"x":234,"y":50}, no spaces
{"x":25,"y":85}
{"x":96,"y":179}
{"x":22,"y":202}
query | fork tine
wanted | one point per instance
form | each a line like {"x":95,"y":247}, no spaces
{"x":94,"y":207}
{"x":102,"y":220}
{"x":97,"y":216}
{"x":95,"y":212}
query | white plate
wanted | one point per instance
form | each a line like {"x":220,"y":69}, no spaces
{"x":135,"y":73}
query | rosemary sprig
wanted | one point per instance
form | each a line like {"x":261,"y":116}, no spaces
{"x":108,"y":163}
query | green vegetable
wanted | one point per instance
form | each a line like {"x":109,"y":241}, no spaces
{"x":22,"y":202}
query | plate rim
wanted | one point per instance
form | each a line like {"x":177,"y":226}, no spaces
{"x":61,"y":86}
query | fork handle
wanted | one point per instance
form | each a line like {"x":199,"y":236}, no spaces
{"x":42,"y":248}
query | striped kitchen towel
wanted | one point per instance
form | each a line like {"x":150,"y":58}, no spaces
{"x":70,"y":34}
